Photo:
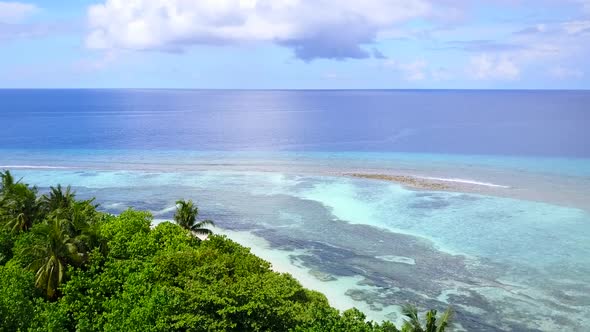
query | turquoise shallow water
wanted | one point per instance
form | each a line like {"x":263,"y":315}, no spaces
{"x":501,"y":262}
{"x":563,"y":181}
{"x":141,"y":158}
{"x":498,"y":228}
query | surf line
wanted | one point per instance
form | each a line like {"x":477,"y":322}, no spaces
{"x":466,"y":181}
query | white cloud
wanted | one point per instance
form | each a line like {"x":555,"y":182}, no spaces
{"x":532,"y":47}
{"x":417,"y":70}
{"x":563,"y":73}
{"x":441,"y":74}
{"x":343,"y":29}
{"x":585,"y":4}
{"x":576,"y":27}
{"x":96,"y":63}
{"x":556,"y":42}
{"x":414,"y":71}
{"x":492,"y":67}
{"x":335,"y":76}
{"x":312,"y":28}
{"x":15,"y":12}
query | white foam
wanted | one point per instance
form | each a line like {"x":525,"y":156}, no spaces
{"x":32,"y":167}
{"x":397,"y":259}
{"x":467,"y":181}
{"x":164,"y":210}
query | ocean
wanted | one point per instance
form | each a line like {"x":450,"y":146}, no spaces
{"x":546,"y":123}
{"x":506,"y":245}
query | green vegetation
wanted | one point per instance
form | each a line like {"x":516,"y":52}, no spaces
{"x":186,"y":217}
{"x":432,"y":323}
{"x":64,"y":266}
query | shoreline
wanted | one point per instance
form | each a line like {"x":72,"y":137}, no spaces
{"x":283,"y":261}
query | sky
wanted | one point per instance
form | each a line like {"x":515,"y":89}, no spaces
{"x":296,"y":44}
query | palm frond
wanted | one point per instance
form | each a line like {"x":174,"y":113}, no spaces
{"x":431,"y":321}
{"x":411,"y":312}
{"x":444,"y":320}
{"x":202,"y":231}
{"x":186,"y":217}
{"x":204,"y":223}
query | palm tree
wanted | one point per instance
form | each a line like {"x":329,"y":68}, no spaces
{"x":186,"y":217}
{"x":78,"y":217}
{"x":7,"y":181}
{"x":20,"y":208}
{"x":52,"y":256}
{"x":58,"y":199}
{"x":414,"y":325}
{"x":82,"y":225}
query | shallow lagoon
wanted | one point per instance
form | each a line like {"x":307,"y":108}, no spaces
{"x":501,"y":263}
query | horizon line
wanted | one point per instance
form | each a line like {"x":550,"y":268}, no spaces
{"x":310,"y":89}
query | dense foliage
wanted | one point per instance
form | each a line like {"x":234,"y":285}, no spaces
{"x":64,"y":266}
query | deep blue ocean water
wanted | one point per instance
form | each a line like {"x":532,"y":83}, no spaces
{"x":512,"y":253}
{"x":539,"y":123}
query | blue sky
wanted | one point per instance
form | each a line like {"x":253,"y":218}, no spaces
{"x":303,"y":44}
